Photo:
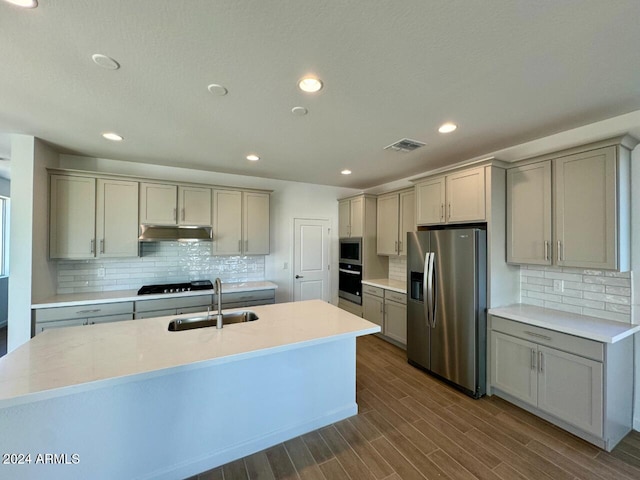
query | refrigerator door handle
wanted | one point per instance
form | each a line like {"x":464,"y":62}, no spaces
{"x":425,"y":288}
{"x":432,"y":294}
{"x":429,"y":283}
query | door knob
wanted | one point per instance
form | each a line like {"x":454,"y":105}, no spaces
{"x":299,"y":276}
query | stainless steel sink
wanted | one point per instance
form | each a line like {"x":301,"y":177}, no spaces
{"x":189,"y":323}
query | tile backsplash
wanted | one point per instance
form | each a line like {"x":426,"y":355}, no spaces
{"x":596,"y":293}
{"x":398,"y":268}
{"x":162,"y":262}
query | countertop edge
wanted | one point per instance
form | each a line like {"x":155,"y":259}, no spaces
{"x":134,"y":377}
{"x":385,"y":286}
{"x":626,"y":330}
{"x":231,"y":288}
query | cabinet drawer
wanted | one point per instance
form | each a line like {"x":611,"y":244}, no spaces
{"x":377,"y":291}
{"x":244,"y":297}
{"x":111,"y":318}
{"x":173,"y":303}
{"x":542,"y":336}
{"x":155,"y":313}
{"x":395,"y":297}
{"x":82,"y":311}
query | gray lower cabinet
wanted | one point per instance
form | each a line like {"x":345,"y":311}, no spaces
{"x":387,"y":309}
{"x":162,"y":307}
{"x":579,"y":384}
{"x":57,"y":317}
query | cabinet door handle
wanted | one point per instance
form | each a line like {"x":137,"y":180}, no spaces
{"x":540,"y":369}
{"x":449,"y":210}
{"x":183,"y":214}
{"x":399,"y":246}
{"x":89,"y":311}
{"x":442,"y":211}
{"x":381,"y":307}
{"x":533,"y":359}
{"x":560,"y":252}
{"x":546,"y":250}
{"x":538,"y":335}
{"x":102,"y":246}
{"x":93,"y":246}
{"x":299,"y":276}
{"x":395,"y":248}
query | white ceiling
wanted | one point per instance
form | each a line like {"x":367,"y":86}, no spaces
{"x":506,"y":71}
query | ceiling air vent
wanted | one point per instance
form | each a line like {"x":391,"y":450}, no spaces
{"x":405,"y":145}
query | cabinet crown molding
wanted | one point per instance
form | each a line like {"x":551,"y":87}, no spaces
{"x":136,"y":178}
{"x":627,"y":141}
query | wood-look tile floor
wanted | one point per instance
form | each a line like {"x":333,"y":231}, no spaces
{"x":412,"y":426}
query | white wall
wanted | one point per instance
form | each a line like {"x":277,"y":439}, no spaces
{"x":635,"y":267}
{"x":288,"y":200}
{"x":31,"y":273}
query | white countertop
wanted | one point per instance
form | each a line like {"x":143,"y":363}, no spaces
{"x":387,"y":284}
{"x":69,"y":359}
{"x":73,"y":299}
{"x":605,"y":331}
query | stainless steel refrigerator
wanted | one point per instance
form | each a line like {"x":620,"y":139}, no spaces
{"x":446,"y":305}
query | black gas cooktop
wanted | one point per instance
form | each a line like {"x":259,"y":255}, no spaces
{"x":176,"y":287}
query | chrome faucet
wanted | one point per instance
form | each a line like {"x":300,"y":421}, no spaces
{"x":218,"y":291}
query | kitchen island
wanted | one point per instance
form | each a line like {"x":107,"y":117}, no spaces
{"x":133,"y":400}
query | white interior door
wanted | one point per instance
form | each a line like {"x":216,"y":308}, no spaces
{"x":311,"y":259}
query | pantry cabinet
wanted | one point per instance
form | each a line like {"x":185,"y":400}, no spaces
{"x":571,"y":210}
{"x":396,"y":217}
{"x":165,"y":204}
{"x":455,"y":198}
{"x":240,"y":223}
{"x":92,"y":217}
{"x":351,"y":217}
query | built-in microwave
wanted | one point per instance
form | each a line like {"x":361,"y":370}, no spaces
{"x":351,"y":250}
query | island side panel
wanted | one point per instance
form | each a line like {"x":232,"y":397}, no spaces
{"x":180,"y":424}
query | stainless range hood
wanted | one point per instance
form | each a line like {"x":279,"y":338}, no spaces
{"x":172,"y":233}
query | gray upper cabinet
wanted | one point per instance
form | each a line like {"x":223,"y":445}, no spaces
{"x":194,"y":206}
{"x":396,"y":217}
{"x":92,"y":217}
{"x":586,"y":209}
{"x":455,"y":198}
{"x":240,"y":223}
{"x":158,"y":204}
{"x":572,"y":210}
{"x":529,"y":214}
{"x":72,"y":217}
{"x":165,"y":204}
{"x":351,"y":217}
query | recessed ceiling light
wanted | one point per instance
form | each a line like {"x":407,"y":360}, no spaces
{"x":346,"y":171}
{"x":105,"y":62}
{"x":114,"y":137}
{"x":253,"y":158}
{"x":310,"y":84}
{"x":447,"y":127}
{"x":217,"y":90}
{"x":299,"y":111}
{"x":24,"y":3}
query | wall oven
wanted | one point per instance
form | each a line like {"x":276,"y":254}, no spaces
{"x":351,"y":251}
{"x":350,"y":282}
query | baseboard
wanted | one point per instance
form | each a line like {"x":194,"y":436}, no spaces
{"x":198,"y":465}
